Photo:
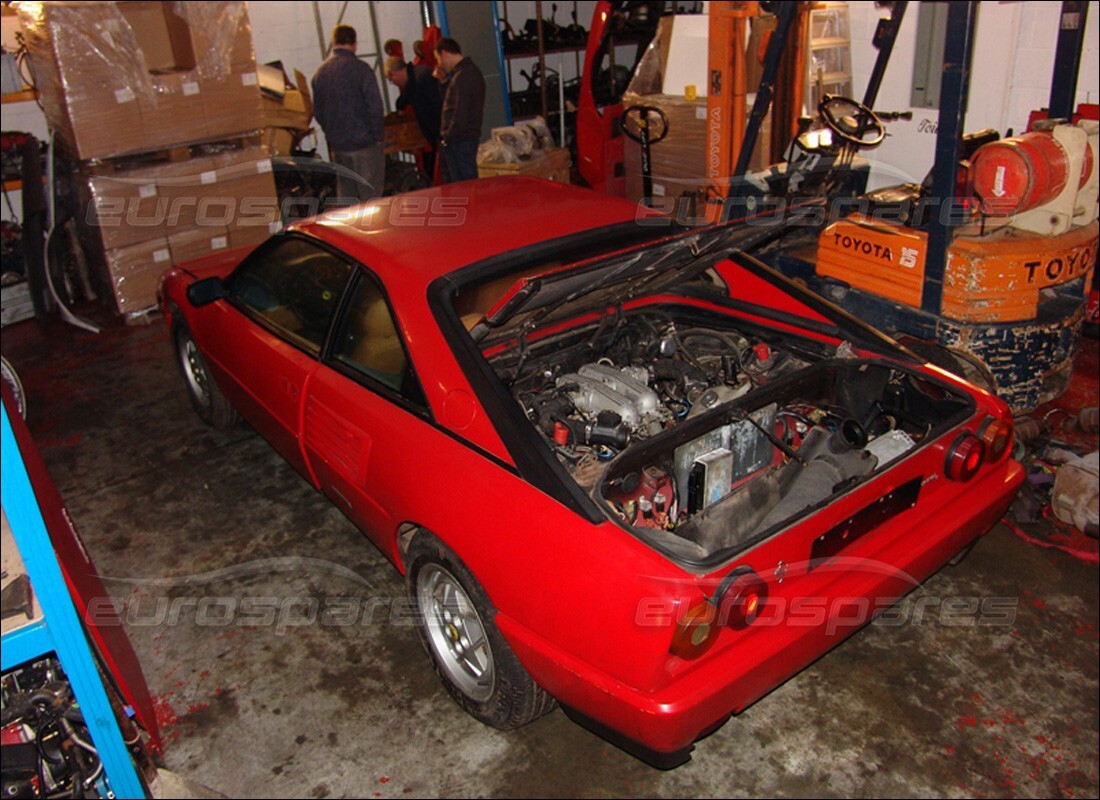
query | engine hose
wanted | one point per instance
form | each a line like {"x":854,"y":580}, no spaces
{"x":587,"y":433}
{"x":725,"y":338}
{"x":83,"y":744}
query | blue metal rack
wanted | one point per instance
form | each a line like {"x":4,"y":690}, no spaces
{"x":58,"y":630}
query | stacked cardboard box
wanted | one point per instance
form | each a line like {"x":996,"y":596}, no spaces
{"x":159,"y":102}
{"x":678,"y":166}
{"x":221,"y":197}
{"x":287,"y":109}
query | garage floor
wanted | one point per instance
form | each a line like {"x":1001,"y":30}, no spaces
{"x":272,"y":637}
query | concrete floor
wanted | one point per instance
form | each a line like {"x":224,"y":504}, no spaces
{"x":983,"y":682}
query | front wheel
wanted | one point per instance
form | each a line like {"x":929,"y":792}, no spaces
{"x":471,"y":657}
{"x":207,"y":399}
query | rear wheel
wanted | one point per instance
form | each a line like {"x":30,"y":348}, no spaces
{"x":209,"y":403}
{"x":470,"y":655}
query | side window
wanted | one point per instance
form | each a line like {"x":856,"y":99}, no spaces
{"x":367,"y":340}
{"x":295,"y":286}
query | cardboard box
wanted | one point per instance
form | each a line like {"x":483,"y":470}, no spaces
{"x":402,"y":132}
{"x":287,"y":109}
{"x":251,"y":236}
{"x":163,"y":37}
{"x":176,"y":113}
{"x":279,"y":141}
{"x":232,"y":105}
{"x":246,"y":177}
{"x":121,"y":210}
{"x":677,"y":162}
{"x":224,"y":189}
{"x":134,"y":274}
{"x":117,"y":78}
{"x":89,"y":79}
{"x":552,"y":164}
{"x":222,"y":35}
{"x":186,"y":245}
{"x":285,"y":105}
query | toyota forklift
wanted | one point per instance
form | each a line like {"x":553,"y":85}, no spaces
{"x":984,"y":268}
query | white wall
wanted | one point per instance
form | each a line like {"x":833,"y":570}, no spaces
{"x":1014,"y":57}
{"x":288,"y":32}
{"x":1011,"y":73}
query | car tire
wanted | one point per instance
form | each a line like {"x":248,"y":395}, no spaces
{"x":209,"y":403}
{"x":471,"y":657}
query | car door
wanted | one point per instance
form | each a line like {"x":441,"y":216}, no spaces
{"x":268,"y":339}
{"x":366,"y":426}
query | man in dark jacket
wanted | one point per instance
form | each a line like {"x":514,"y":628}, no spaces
{"x":348,"y":106}
{"x":463,"y":105}
{"x":420,"y":90}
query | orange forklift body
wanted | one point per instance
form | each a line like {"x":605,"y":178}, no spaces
{"x":998,"y":277}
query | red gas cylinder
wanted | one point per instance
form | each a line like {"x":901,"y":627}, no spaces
{"x":1013,"y":175}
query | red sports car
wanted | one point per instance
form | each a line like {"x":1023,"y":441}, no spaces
{"x":624,"y":466}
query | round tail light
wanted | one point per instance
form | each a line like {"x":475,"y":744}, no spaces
{"x":965,"y":457}
{"x":740,"y":598}
{"x":695,"y":632}
{"x":996,"y":434}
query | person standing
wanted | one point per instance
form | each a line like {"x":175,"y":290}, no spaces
{"x":348,"y":106}
{"x":463,"y":106}
{"x":420,"y":90}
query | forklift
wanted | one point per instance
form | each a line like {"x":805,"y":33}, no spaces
{"x":983,"y":269}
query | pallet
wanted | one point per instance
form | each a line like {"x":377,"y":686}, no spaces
{"x":174,"y":154}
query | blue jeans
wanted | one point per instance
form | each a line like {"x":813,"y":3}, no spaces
{"x":460,"y":160}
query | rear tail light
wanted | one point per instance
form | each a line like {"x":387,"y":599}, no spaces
{"x":736,"y":603}
{"x":996,"y":434}
{"x":965,"y":457}
{"x":696,"y":631}
{"x":740,"y":598}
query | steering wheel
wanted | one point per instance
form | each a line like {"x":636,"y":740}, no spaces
{"x":643,"y":124}
{"x":851,"y":121}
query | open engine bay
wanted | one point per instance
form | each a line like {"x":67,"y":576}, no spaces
{"x":47,"y":747}
{"x":702,"y":433}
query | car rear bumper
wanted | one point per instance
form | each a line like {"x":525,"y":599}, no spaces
{"x":667,"y":719}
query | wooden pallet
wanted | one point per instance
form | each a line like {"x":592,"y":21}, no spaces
{"x":175,"y":154}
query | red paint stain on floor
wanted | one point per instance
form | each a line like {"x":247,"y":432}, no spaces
{"x":963,"y":723}
{"x":166,"y":716}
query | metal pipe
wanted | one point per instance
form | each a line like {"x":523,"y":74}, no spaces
{"x":962,"y":18}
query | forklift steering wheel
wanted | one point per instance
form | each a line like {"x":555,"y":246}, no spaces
{"x":639,"y":116}
{"x":851,"y":121}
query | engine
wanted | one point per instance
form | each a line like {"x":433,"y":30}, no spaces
{"x":47,"y":748}
{"x":651,"y":375}
{"x":708,"y":435}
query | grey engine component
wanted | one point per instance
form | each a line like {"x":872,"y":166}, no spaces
{"x":599,"y":387}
